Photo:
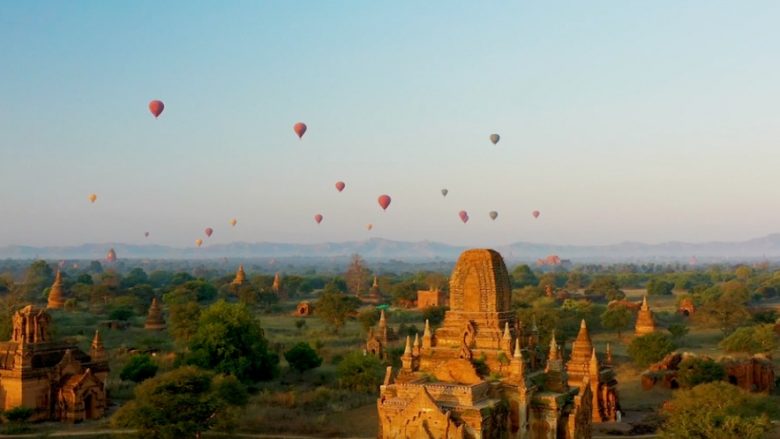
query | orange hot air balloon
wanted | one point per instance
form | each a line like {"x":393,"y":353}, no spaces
{"x":536,"y":213}
{"x":464,"y":216}
{"x":92,"y":198}
{"x":340,"y":186}
{"x":198,"y":242}
{"x":384,"y":201}
{"x":233,"y":222}
{"x":156,"y":107}
{"x":300,"y":129}
{"x":209,"y":231}
{"x":369,"y":227}
{"x":318,"y":218}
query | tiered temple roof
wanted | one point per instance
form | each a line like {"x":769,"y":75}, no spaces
{"x":644,"y":320}
{"x":56,"y":295}
{"x":155,"y":320}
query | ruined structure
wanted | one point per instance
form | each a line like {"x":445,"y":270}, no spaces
{"x":240,"y":278}
{"x":686,"y":308}
{"x":304,"y":309}
{"x":376,"y":344}
{"x":479,"y":376}
{"x":603,"y":384}
{"x":754,"y":374}
{"x":374,"y":295}
{"x":57,"y":380}
{"x":155,"y":320}
{"x":56,"y":296}
{"x":432,"y":297}
{"x":644,"y":320}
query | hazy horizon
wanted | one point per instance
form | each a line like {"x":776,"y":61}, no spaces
{"x":650,"y":123}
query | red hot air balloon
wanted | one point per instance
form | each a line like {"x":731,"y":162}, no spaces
{"x":318,"y":218}
{"x":300,"y":129}
{"x":340,"y":186}
{"x":464,"y":216}
{"x":536,"y":213}
{"x":156,"y":107}
{"x":209,"y":231}
{"x":384,"y":201}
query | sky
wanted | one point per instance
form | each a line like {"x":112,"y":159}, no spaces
{"x":619,"y":121}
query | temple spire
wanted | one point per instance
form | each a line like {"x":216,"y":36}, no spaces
{"x":376,"y":283}
{"x":56,"y":297}
{"x":406,"y":358}
{"x":97,"y":351}
{"x":609,"y":354}
{"x":427,"y":338}
{"x":594,"y":363}
{"x":553,"y":347}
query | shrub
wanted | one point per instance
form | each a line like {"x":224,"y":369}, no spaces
{"x":359,"y":372}
{"x":650,"y":348}
{"x":699,"y":370}
{"x":139,"y":368}
{"x":302,"y":357}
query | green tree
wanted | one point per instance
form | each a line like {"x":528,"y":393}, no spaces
{"x":605,"y":286}
{"x":699,"y":370}
{"x":333,"y":307}
{"x":404,"y":293}
{"x":182,"y":403}
{"x":368,"y":318}
{"x":725,"y":309}
{"x":357,"y":276}
{"x":183,"y":321}
{"x":575,"y":280}
{"x":434,"y":314}
{"x":717,"y":411}
{"x":659,"y":287}
{"x":229,"y":340}
{"x":650,"y":348}
{"x":134,"y":277}
{"x":523,"y":276}
{"x":751,"y":340}
{"x":37,"y":277}
{"x":139,"y":368}
{"x":362,"y":373}
{"x":302,"y":357}
{"x":617,"y":318}
{"x":678,"y":331}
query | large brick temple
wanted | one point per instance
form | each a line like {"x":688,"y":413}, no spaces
{"x":479,"y":375}
{"x":57,"y":380}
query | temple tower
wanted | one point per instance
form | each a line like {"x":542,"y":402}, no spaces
{"x":578,"y":364}
{"x":56,"y":296}
{"x":240,"y":277}
{"x":644,"y":320}
{"x":155,"y":320}
{"x":96,"y":350}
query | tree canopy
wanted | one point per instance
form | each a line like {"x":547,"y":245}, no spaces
{"x":650,"y":348}
{"x":229,"y":340}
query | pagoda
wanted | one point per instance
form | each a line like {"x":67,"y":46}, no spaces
{"x":584,"y":363}
{"x":644,"y":320}
{"x":470,"y":379}
{"x":155,"y":320}
{"x":240,"y":278}
{"x":56,"y":296}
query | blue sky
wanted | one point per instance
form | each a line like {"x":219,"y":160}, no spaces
{"x":645,"y":121}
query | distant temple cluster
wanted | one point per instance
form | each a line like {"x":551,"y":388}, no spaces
{"x":481,"y":375}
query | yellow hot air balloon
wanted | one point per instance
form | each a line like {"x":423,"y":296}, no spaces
{"x":198,"y":242}
{"x":92,"y":198}
{"x":233,"y":222}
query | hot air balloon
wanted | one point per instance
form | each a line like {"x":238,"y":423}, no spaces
{"x":92,"y":198}
{"x":233,"y":222}
{"x":369,"y":227}
{"x":208,"y":231}
{"x":493,"y":215}
{"x":444,"y":192}
{"x":198,"y":242}
{"x":146,"y":234}
{"x":318,"y":218}
{"x":384,"y":201}
{"x":111,"y":256}
{"x":300,"y":129}
{"x":536,"y":213}
{"x":156,"y":107}
{"x":464,"y":216}
{"x":340,"y":186}
{"x":495,"y":138}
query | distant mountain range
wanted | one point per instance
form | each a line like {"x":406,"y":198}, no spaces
{"x":767,"y":248}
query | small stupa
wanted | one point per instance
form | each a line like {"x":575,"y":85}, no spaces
{"x":644,"y":320}
{"x":97,"y":351}
{"x":56,"y":296}
{"x":240,"y":277}
{"x":155,"y":320}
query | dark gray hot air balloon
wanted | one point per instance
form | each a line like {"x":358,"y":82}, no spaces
{"x":444,"y":192}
